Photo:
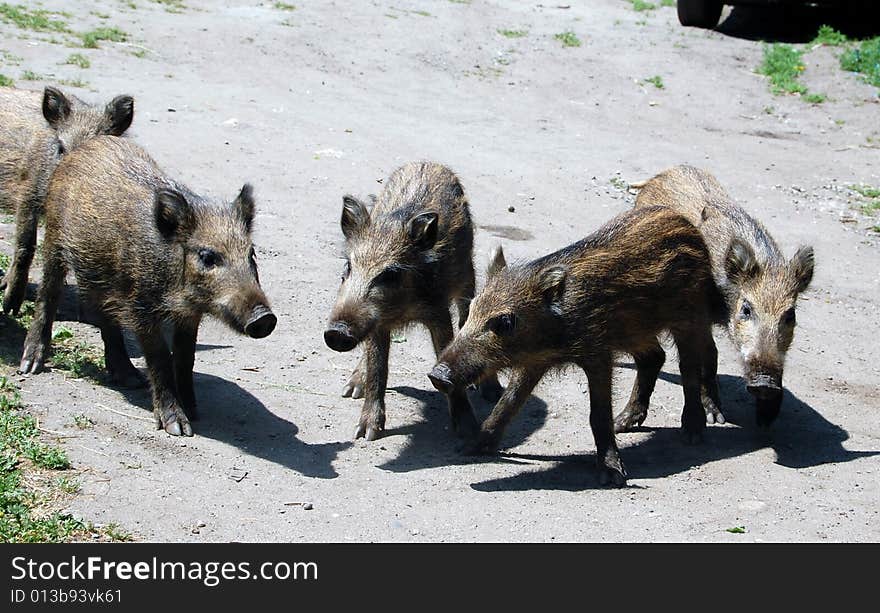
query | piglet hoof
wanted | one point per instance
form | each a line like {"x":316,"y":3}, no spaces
{"x":33,"y":358}
{"x":353,"y":390}
{"x":13,"y":296}
{"x":612,"y":477}
{"x":370,"y":430}
{"x":630,"y":417}
{"x":355,"y":386}
{"x":713,"y":413}
{"x":175,"y":422}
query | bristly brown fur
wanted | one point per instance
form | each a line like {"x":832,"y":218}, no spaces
{"x":146,"y":250}
{"x":645,"y":272}
{"x":408,"y":258}
{"x":35,"y":131}
{"x":760,"y":287}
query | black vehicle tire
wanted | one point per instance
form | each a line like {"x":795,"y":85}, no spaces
{"x":699,"y":13}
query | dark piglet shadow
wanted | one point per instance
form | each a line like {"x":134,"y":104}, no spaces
{"x":234,"y":416}
{"x":432,"y":443}
{"x":801,"y":437}
{"x":227,"y":412}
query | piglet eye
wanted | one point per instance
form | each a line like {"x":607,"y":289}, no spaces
{"x":209,"y":258}
{"x":61,"y":148}
{"x":789,"y":317}
{"x":745,"y":311}
{"x":503,"y":324}
{"x":388,"y":277}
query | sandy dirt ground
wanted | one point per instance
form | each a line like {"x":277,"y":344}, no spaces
{"x":329,"y":98}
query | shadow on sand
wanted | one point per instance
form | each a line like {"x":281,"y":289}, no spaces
{"x":228,"y":413}
{"x":801,"y":437}
{"x":431,"y":442}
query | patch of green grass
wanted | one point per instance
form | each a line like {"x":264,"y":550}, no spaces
{"x":172,"y":6}
{"x":116,"y":533}
{"x":641,"y":5}
{"x":870,"y":208}
{"x":619,"y":183}
{"x":783,"y":64}
{"x":283,"y":6}
{"x":30,"y":75}
{"x":18,"y":432}
{"x":74,"y":83}
{"x":830,"y":37}
{"x":78,"y":59}
{"x":513,"y":33}
{"x":139,"y":53}
{"x":667,"y":2}
{"x":815,"y":98}
{"x":864,"y":58}
{"x":656,"y":81}
{"x":6,"y":81}
{"x":67,"y":485}
{"x":737,"y":530}
{"x":568,"y":39}
{"x":866,"y":191}
{"x":37,"y":20}
{"x":10,"y":58}
{"x":80,"y":359}
{"x":82,"y":421}
{"x":91,"y":39}
{"x":26,"y":495}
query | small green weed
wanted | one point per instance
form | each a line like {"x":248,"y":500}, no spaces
{"x":91,"y":39}
{"x":656,"y":81}
{"x":865,"y":59}
{"x":78,"y":59}
{"x":568,"y":39}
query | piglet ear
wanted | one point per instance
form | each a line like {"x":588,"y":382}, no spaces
{"x":120,"y":113}
{"x":423,"y":230}
{"x":245,"y":206}
{"x":173,"y":214}
{"x":740,"y":262}
{"x":552,"y":285}
{"x":801,"y":266}
{"x":355,"y":216}
{"x":56,"y":106}
{"x":497,"y":262}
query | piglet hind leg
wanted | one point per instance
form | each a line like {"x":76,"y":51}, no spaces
{"x":39,"y":337}
{"x":608,"y":462}
{"x":691,"y":346}
{"x":355,"y":386}
{"x":122,"y":372}
{"x":371,"y":424}
{"x":648,"y":365}
{"x":14,"y":284}
{"x":119,"y":367}
{"x":169,"y":414}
